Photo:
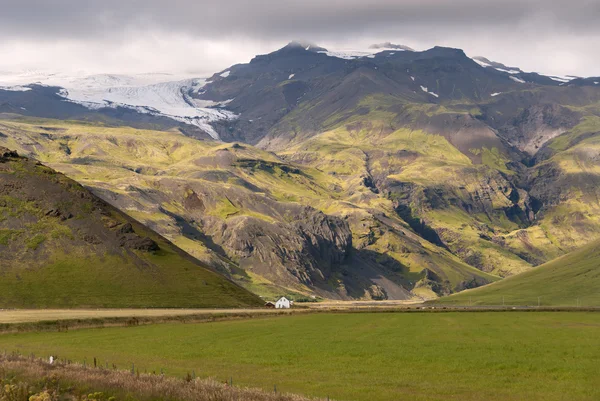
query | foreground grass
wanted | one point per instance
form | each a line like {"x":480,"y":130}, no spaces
{"x":24,"y":379}
{"x":361,"y":356}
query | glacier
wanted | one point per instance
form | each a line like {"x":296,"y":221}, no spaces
{"x":157,"y":94}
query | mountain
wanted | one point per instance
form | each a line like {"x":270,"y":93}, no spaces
{"x":572,"y":280}
{"x":61,"y":246}
{"x":384,"y":173}
{"x":271,"y":225}
{"x":459,"y":147}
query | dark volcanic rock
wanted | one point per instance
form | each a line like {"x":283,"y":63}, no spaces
{"x":142,"y":244}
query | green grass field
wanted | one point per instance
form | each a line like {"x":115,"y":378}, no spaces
{"x":572,"y":280}
{"x":361,"y":356}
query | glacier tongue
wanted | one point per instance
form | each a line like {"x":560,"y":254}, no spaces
{"x":169,"y":99}
{"x":156,"y":94}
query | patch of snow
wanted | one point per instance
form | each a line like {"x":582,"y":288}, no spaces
{"x":307,"y":48}
{"x":518,"y":80}
{"x":482,"y":63}
{"x":413,"y":78}
{"x":424,"y":89}
{"x":495,"y":94}
{"x":16,"y":88}
{"x":23,"y":108}
{"x":508,"y":71}
{"x":392,"y":53}
{"x":596,"y":83}
{"x":564,"y":79}
{"x":225,"y":74}
{"x":291,"y":76}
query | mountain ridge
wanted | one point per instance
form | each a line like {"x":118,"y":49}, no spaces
{"x":440,"y":173}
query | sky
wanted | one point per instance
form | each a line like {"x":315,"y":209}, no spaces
{"x":200,"y":37}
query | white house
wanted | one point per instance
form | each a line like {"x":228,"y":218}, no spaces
{"x":283,"y":303}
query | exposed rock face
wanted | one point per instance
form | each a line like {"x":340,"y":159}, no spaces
{"x":7,"y":153}
{"x":304,"y":249}
{"x":538,"y":124}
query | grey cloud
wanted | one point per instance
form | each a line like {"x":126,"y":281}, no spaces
{"x":262,"y":19}
{"x":557,"y":36}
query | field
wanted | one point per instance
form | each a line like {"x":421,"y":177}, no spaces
{"x":39,"y":315}
{"x":359,"y":356}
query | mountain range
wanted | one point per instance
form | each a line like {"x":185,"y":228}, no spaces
{"x":386,"y":173}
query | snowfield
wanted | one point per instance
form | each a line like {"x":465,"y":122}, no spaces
{"x":354,"y":54}
{"x":481,"y":63}
{"x":156,"y":94}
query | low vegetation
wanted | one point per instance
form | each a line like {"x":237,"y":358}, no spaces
{"x":358,"y":356}
{"x":30,"y":379}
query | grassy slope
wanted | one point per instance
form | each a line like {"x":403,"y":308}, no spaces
{"x":375,"y":357}
{"x":47,"y":262}
{"x":569,"y":280}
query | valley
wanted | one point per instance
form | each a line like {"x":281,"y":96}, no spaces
{"x":299,"y":200}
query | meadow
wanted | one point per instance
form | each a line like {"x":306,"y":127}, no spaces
{"x":358,"y":356}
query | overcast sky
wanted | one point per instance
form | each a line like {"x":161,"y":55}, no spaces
{"x":204,"y":36}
